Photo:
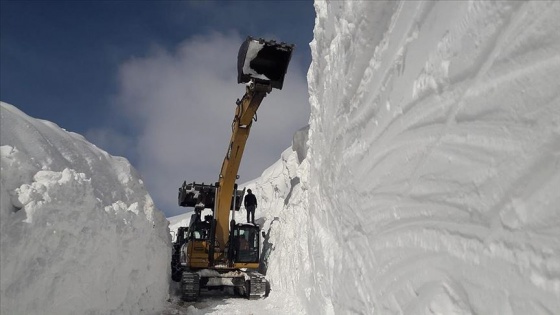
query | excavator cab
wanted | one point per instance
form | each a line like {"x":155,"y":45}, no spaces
{"x":263,"y":61}
{"x":246,"y":243}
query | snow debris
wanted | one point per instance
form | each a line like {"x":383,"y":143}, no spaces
{"x":252,"y":52}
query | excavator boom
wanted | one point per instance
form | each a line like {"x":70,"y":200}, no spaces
{"x":211,"y":254}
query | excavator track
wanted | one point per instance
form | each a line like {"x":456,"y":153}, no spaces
{"x":190,"y":284}
{"x":258,"y":286}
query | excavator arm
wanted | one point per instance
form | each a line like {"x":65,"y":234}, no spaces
{"x":262,"y":66}
{"x":245,"y":111}
{"x":212,"y":255}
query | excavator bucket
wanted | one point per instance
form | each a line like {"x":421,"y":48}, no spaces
{"x":203,"y":196}
{"x":191,"y":195}
{"x":263,"y":62}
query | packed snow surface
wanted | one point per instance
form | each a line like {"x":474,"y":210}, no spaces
{"x":432,"y":167}
{"x":79,"y":234}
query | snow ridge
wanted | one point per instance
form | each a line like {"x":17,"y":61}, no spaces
{"x":79,"y":232}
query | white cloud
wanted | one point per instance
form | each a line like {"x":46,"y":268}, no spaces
{"x":183,"y":103}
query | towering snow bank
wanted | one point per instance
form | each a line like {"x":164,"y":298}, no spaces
{"x":282,"y":213}
{"x":435,"y":158}
{"x":79,"y":234}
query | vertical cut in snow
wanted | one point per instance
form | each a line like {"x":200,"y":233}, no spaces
{"x":79,"y":234}
{"x":434,"y":158}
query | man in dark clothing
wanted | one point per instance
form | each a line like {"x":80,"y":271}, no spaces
{"x":250,"y":203}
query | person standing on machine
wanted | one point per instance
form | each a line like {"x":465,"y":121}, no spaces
{"x":250,"y":203}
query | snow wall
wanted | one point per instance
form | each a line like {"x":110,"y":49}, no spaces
{"x":79,"y":233}
{"x":432,"y":167}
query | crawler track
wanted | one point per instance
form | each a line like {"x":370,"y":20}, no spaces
{"x":258,"y":286}
{"x":190,"y":283}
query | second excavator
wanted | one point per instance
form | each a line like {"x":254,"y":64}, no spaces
{"x":215,"y":252}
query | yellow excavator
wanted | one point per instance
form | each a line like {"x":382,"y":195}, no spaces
{"x":216,"y":252}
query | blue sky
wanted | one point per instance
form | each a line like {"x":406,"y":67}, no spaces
{"x":154,"y":81}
